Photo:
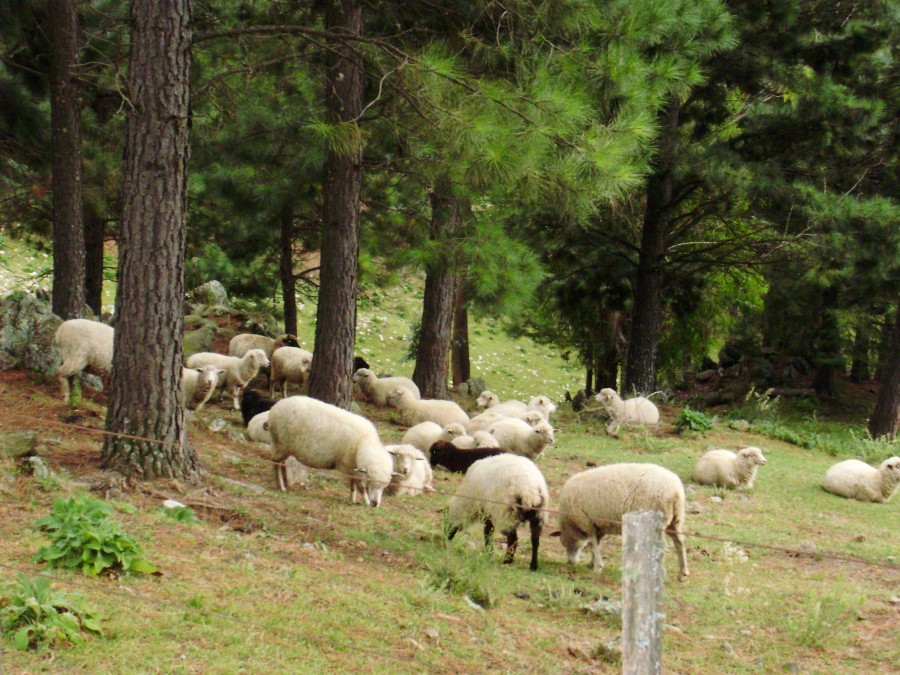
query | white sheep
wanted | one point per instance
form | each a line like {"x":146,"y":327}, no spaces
{"x":414,"y":410}
{"x":82,"y":345}
{"x":593,"y":502}
{"x":519,"y":437}
{"x":425,"y":434}
{"x":511,"y":408}
{"x":324,"y":436}
{"x":480,"y":439}
{"x":198,"y":384}
{"x":637,"y":410}
{"x":376,"y":389}
{"x":420,"y":477}
{"x":243,"y":343}
{"x":728,"y":469}
{"x":483,"y":421}
{"x":857,"y":480}
{"x":257,"y":429}
{"x":289,"y":365}
{"x":502,"y":491}
{"x":237,"y":372}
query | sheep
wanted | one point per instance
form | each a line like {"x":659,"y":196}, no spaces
{"x":517,"y":436}
{"x":257,"y":429}
{"x":727,"y":469}
{"x":237,"y":371}
{"x":324,"y":436}
{"x":480,"y":439}
{"x":289,"y":364}
{"x":543,"y":405}
{"x":243,"y":343}
{"x":423,"y":435}
{"x":483,"y":421}
{"x":376,"y":389}
{"x":414,"y":410}
{"x":638,"y":410}
{"x":458,"y":460}
{"x":253,"y":403}
{"x":488,"y":399}
{"x":359,"y":362}
{"x":83,"y":345}
{"x":502,"y":491}
{"x":592,"y":503}
{"x":198,"y":384}
{"x":418,"y":480}
{"x":857,"y":480}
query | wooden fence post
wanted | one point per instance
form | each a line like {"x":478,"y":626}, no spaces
{"x":642,"y":592}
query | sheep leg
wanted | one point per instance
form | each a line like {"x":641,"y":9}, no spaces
{"x":488,"y":531}
{"x":536,"y":528}
{"x":452,"y":532}
{"x":235,"y":393}
{"x":512,"y":543}
{"x":280,"y":469}
{"x":355,"y":491}
{"x":596,"y":558}
{"x":678,"y":539}
{"x":285,"y":389}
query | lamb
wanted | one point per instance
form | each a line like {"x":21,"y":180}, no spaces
{"x":376,"y":389}
{"x":289,"y":364}
{"x":592,"y":503}
{"x":423,"y":435}
{"x":483,"y":421}
{"x":253,"y":403}
{"x":727,"y":469}
{"x":502,"y":491}
{"x":237,"y":371}
{"x":638,"y":410}
{"x":480,"y":439}
{"x":324,"y":436}
{"x":414,"y":410}
{"x":243,"y":343}
{"x":518,"y":437}
{"x":458,"y":460}
{"x":198,"y":384}
{"x":83,"y":345}
{"x":418,"y":480}
{"x":854,"y":479}
{"x":257,"y":428}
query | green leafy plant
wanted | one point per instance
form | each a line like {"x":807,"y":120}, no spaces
{"x":693,"y":420}
{"x":83,"y":536}
{"x":180,"y":514}
{"x":33,"y":615}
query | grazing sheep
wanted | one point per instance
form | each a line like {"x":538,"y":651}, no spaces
{"x":237,"y":371}
{"x":289,"y":364}
{"x":83,"y":345}
{"x":502,"y":491}
{"x":592,"y":503}
{"x":376,"y":389}
{"x":198,"y":384}
{"x":243,"y":343}
{"x":414,"y":410}
{"x":458,"y":460}
{"x":857,"y":480}
{"x":257,"y":429}
{"x":518,"y":437}
{"x":423,"y":435}
{"x":253,"y":403}
{"x":324,"y":436}
{"x":638,"y":410}
{"x":418,"y":480}
{"x":727,"y":469}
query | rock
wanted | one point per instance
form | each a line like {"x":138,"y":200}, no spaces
{"x":294,"y":472}
{"x":603,"y":607}
{"x":792,"y":668}
{"x":758,"y":369}
{"x":27,"y":327}
{"x":610,"y":651}
{"x":463,"y":389}
{"x":580,"y":651}
{"x":218,"y":424}
{"x":705,"y":376}
{"x":716,"y":499}
{"x":693,"y":507}
{"x":476,"y":386}
{"x":211,"y":293}
{"x":39,"y":467}
{"x":739,"y":425}
{"x":18,"y":444}
{"x":200,"y":339}
{"x":432,"y":634}
{"x":807,"y":548}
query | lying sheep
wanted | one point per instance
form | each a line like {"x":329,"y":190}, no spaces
{"x":243,"y":343}
{"x":289,"y":364}
{"x":237,"y":371}
{"x":727,"y":469}
{"x":480,"y":439}
{"x":423,"y":435}
{"x":518,"y":437}
{"x":857,"y":480}
{"x":512,"y":408}
{"x":483,"y":421}
{"x":414,"y":410}
{"x":376,"y":389}
{"x":502,"y":491}
{"x":638,"y":410}
{"x":324,"y":436}
{"x":257,"y":429}
{"x":418,"y":480}
{"x":253,"y":403}
{"x":488,"y":399}
{"x":82,"y":345}
{"x":593,"y":502}
{"x":198,"y":384}
{"x":458,"y":460}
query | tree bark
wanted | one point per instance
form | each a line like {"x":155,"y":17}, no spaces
{"x":885,"y":418}
{"x":68,"y":230}
{"x":329,"y":378}
{"x":145,"y":399}
{"x":94,"y":230}
{"x":286,"y":269}
{"x":646,"y":319}
{"x":459,"y":352}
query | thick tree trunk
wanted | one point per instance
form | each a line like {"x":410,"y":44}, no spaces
{"x":145,"y":398}
{"x":459,"y":354}
{"x":286,"y":270}
{"x":860,"y":368}
{"x":94,"y":230}
{"x":65,"y":115}
{"x":828,"y":346}
{"x":433,"y":353}
{"x":646,"y":318}
{"x":885,"y":418}
{"x":589,"y":380}
{"x":329,"y":378}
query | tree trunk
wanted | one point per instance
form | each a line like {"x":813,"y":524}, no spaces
{"x":646,"y":318}
{"x":885,"y":328}
{"x":432,"y":355}
{"x":459,"y":355}
{"x":145,"y":398}
{"x":828,"y":346}
{"x":68,"y":229}
{"x":329,"y":378}
{"x":859,"y":368}
{"x":885,"y":417}
{"x":94,"y":230}
{"x":286,"y":269}
{"x":589,"y":380}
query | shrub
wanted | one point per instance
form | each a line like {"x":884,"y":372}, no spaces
{"x":693,"y":420}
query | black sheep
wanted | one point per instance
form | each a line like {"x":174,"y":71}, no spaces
{"x":458,"y":460}
{"x":253,"y":403}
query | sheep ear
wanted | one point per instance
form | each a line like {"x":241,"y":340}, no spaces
{"x":421,"y":459}
{"x":362,"y":470}
{"x":394,"y":473}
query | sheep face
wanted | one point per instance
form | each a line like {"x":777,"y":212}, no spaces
{"x":403,"y":461}
{"x":606,"y":396}
{"x":890,"y":469}
{"x":533,"y":418}
{"x":487,"y":399}
{"x":454,"y":430}
{"x":394,"y":398}
{"x":362,"y":375}
{"x":543,"y":404}
{"x":259,"y":357}
{"x":374,"y":489}
{"x":752,"y":456}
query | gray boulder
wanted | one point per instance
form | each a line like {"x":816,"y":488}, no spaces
{"x":210,"y":294}
{"x":27,"y":327}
